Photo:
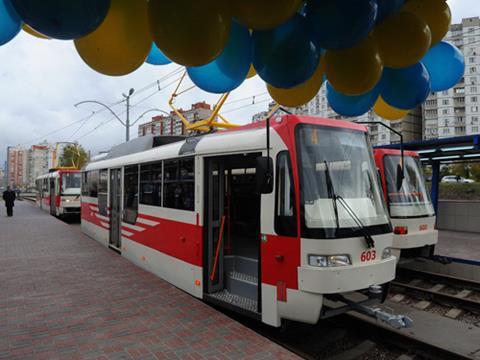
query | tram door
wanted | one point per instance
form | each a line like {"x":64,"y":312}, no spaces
{"x":215,"y":211}
{"x":53,"y":202}
{"x":115,"y":207}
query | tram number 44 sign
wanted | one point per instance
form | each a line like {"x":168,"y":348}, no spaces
{"x":368,"y":255}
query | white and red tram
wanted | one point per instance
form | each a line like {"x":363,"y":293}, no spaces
{"x":411,"y":210}
{"x":201,"y":214}
{"x":58,"y":192}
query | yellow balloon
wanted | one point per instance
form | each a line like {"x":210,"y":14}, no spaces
{"x":436,"y":13}
{"x":264,"y":14}
{"x":388,"y":112}
{"x":251,"y":72}
{"x":354,"y":71}
{"x":300,"y":94}
{"x":405,"y":47}
{"x":33,"y":32}
{"x":121,"y":43}
{"x":190,"y":33}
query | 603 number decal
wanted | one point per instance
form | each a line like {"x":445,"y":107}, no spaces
{"x":368,"y":255}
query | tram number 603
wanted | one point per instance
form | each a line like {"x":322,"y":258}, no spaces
{"x":368,"y":255}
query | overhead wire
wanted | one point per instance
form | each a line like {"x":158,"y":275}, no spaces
{"x":124,"y":111}
{"x":83,"y":120}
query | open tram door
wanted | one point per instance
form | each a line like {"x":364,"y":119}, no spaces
{"x":232,"y":233}
{"x":53,"y":196}
{"x":115,"y":208}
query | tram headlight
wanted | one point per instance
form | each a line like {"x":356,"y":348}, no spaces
{"x":329,"y":260}
{"x":387,"y":252}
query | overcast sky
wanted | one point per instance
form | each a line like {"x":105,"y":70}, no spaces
{"x":41,"y":80}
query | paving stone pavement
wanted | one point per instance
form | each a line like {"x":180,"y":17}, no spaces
{"x":64,"y":296}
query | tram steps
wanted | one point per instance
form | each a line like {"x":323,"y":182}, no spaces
{"x":241,"y":276}
{"x":235,"y":300}
{"x":241,"y":264}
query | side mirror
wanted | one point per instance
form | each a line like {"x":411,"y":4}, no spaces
{"x":399,"y":179}
{"x":264,"y":175}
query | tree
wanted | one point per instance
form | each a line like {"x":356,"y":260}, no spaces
{"x":73,"y":156}
{"x":475,"y":171}
{"x":460,"y":170}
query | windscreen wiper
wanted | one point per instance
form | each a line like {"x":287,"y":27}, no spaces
{"x":331,"y":193}
{"x":366,"y":232}
{"x":349,"y":210}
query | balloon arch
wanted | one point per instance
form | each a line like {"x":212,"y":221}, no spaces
{"x":385,"y":55}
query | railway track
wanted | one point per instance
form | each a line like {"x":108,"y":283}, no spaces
{"x":445,"y":289}
{"x":400,"y":339}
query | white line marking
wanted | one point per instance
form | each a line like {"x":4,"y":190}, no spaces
{"x":147,"y":222}
{"x":133,"y":227}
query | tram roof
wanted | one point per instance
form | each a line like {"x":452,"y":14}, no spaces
{"x":233,"y":140}
{"x":445,"y":150}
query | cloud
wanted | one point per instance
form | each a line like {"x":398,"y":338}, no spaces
{"x":41,"y":80}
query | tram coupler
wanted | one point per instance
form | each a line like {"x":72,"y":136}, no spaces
{"x":395,"y":321}
{"x":440,"y":259}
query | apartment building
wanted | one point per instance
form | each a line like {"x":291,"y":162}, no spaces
{"x":456,"y":112}
{"x":25,"y":165}
{"x":171,"y":124}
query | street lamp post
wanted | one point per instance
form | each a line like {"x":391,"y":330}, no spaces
{"x":127,"y":123}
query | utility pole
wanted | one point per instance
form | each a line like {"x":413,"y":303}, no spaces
{"x":127,"y":123}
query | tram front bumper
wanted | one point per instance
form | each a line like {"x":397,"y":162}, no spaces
{"x":415,"y":240}
{"x":331,"y":280}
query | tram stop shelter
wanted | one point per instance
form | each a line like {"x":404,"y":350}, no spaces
{"x":435,"y":152}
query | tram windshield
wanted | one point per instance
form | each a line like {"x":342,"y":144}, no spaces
{"x":413,"y":199}
{"x":71,"y":183}
{"x":337,"y":164}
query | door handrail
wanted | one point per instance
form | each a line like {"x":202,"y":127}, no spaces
{"x":217,"y":252}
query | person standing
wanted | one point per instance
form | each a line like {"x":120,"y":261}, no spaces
{"x":9,"y":198}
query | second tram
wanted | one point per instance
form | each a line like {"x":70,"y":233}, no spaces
{"x":58,"y":192}
{"x":296,"y":229}
{"x":411,"y":210}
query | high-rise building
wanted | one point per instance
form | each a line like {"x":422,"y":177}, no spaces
{"x":456,"y":112}
{"x":17,"y":165}
{"x":410,"y":126}
{"x":2,"y":178}
{"x":171,"y":124}
{"x":25,"y":165}
{"x":40,"y":159}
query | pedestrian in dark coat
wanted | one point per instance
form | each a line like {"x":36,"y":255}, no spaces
{"x":9,"y":198}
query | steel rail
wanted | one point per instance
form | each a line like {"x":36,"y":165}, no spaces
{"x":436,"y":296}
{"x":397,"y":338}
{"x":449,"y":280}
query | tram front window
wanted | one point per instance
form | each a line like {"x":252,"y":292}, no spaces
{"x":412,"y":200}
{"x":71,"y":184}
{"x":340,"y":193}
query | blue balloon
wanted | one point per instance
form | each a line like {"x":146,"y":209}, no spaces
{"x":230,"y":68}
{"x":387,"y":8}
{"x":157,"y":57}
{"x":351,"y":105}
{"x":285,"y":57}
{"x":62,"y":19}
{"x":405,"y":88}
{"x":340,"y":24}
{"x":10,"y":22}
{"x":445,"y":64}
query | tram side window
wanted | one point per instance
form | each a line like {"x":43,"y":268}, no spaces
{"x":179,"y":184}
{"x":85,"y":184}
{"x":151,"y":184}
{"x":93,"y":184}
{"x":285,"y":217}
{"x":130,"y":200}
{"x":45,"y":186}
{"x":103,"y":192}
